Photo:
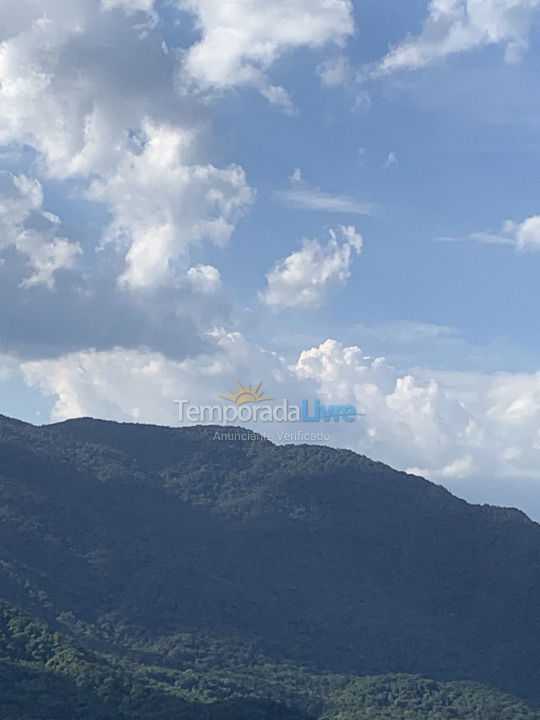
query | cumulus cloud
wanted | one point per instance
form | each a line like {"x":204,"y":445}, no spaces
{"x":87,"y":309}
{"x":454,"y":26}
{"x":74,"y":81}
{"x":33,"y":232}
{"x":303,"y":278}
{"x":89,"y":89}
{"x":205,"y":279}
{"x":240,"y":40}
{"x":526,"y":234}
{"x":161,"y":205}
{"x":142,"y":384}
{"x":446,"y":426}
{"x":95,"y":98}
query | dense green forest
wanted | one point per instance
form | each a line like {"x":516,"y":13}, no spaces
{"x":172,"y":575}
{"x":45,"y":675}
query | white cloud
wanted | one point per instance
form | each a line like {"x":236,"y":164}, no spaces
{"x":391,"y":161}
{"x":526,"y":234}
{"x":304,"y":197}
{"x":205,"y":279}
{"x":304,"y":277}
{"x":143,"y":385}
{"x":455,"y":26}
{"x":241,"y":39}
{"x":334,"y":72}
{"x":296,"y":178}
{"x":523,"y":236}
{"x":33,"y":232}
{"x":318,"y":201}
{"x":130,"y":6}
{"x":447,"y":426}
{"x":68,"y":86}
{"x":162,"y":204}
{"x":73,"y":87}
{"x":46,"y":258}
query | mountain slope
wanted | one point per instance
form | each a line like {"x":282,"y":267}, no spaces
{"x":167,"y":547}
{"x":45,"y":675}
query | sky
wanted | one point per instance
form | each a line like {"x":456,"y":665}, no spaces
{"x":338,"y":198}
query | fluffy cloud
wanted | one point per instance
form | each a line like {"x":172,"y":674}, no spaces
{"x":243,"y":38}
{"x":205,"y":279}
{"x":143,"y":385}
{"x":90,"y":88}
{"x":161,"y":205}
{"x":33,"y":232}
{"x":454,"y":26}
{"x":94,"y":96}
{"x":526,"y":234}
{"x":73,"y":86}
{"x":303,"y":278}
{"x":446,"y":426}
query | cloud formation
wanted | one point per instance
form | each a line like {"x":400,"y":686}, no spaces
{"x":523,"y":236}
{"x":303,"y":278}
{"x":162,"y":205}
{"x":446,"y":426}
{"x":33,"y":232}
{"x":242,"y":39}
{"x":93,"y":94}
{"x":454,"y":26}
{"x":303,"y":196}
{"x":90,"y":88}
{"x":143,"y":384}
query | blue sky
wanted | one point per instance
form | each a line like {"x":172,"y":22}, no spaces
{"x":339,"y":197}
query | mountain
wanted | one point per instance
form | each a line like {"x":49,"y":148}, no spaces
{"x":45,"y":675}
{"x":211,"y":569}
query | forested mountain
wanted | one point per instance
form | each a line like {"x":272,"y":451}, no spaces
{"x":45,"y":675}
{"x":181,"y":571}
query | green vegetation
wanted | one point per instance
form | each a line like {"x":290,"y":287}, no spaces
{"x":178,"y":577}
{"x":44,"y":675}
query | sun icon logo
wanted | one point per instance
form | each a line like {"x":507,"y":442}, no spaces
{"x":245,"y":395}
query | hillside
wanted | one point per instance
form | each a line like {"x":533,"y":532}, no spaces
{"x":44,"y":675}
{"x":220,"y":569}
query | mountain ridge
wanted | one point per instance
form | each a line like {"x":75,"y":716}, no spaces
{"x":162,"y":545}
{"x":240,"y":430}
